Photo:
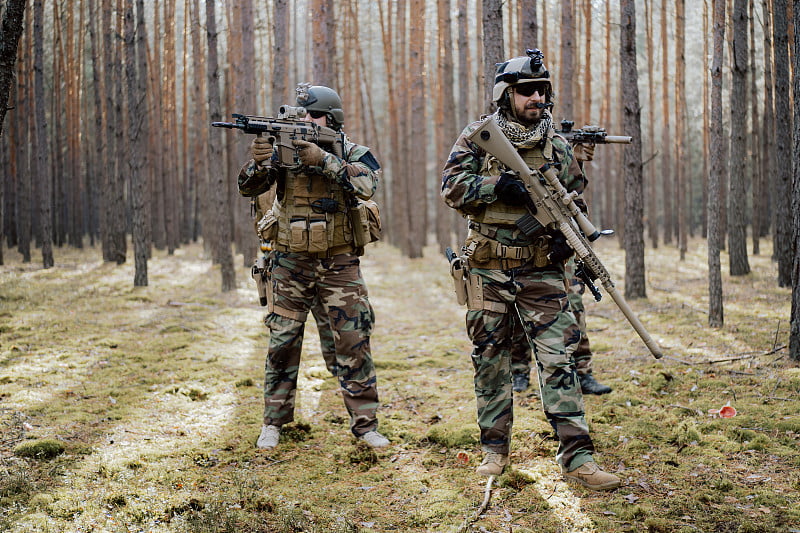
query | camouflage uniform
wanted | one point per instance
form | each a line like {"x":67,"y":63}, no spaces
{"x":529,"y":286}
{"x":333,"y":276}
{"x":263,"y":204}
{"x":582,"y":356}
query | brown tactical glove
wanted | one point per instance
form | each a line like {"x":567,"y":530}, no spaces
{"x":261,"y":150}
{"x":583,"y":152}
{"x":309,"y":153}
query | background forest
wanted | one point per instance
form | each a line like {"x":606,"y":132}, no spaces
{"x":108,"y":135}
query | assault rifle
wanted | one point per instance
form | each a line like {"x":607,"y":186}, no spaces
{"x":285,"y":128}
{"x":551,"y":206}
{"x":590,"y":134}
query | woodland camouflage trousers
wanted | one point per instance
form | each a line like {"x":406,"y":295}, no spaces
{"x":582,"y":356}
{"x":540,"y":298}
{"x":296,"y":281}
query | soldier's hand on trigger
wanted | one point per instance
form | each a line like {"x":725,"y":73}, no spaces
{"x":261,"y":150}
{"x":583,"y":151}
{"x":309,"y":153}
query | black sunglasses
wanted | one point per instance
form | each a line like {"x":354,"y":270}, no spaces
{"x":316,"y":114}
{"x":527,"y":89}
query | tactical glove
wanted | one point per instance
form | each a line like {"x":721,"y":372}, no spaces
{"x":583,"y":152}
{"x":309,"y":153}
{"x":560,"y":251}
{"x":510,"y":190}
{"x":261,"y":150}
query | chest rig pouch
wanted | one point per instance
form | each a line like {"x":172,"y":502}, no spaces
{"x":313,"y":216}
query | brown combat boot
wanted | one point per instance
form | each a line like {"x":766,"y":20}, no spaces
{"x":493,"y":464}
{"x":592,"y":477}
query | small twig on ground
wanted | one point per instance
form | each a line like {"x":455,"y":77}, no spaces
{"x":487,"y":496}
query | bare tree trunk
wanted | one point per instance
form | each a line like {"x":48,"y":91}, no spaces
{"x":755,"y":127}
{"x":761,"y":200}
{"x":279,"y":74}
{"x":492,"y":46}
{"x":634,"y":227}
{"x":43,"y":175}
{"x":528,"y":25}
{"x":681,"y":179}
{"x":324,"y":42}
{"x":718,"y":165}
{"x":666,"y":138}
{"x":220,"y":207}
{"x":737,"y":207}
{"x":24,"y":185}
{"x":417,"y":182}
{"x":706,"y":122}
{"x":783,"y":155}
{"x":137,"y":113}
{"x":794,"y":329}
{"x":566,"y":67}
{"x":651,"y":188}
{"x":11,"y":31}
{"x":445,"y":118}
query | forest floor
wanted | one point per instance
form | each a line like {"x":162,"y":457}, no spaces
{"x":136,"y":409}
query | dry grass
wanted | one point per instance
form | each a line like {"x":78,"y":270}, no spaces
{"x":155,"y":395}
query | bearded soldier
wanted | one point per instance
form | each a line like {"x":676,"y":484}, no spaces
{"x":316,"y":256}
{"x":520,"y":274}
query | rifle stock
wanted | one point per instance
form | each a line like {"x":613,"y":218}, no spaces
{"x":553,"y":207}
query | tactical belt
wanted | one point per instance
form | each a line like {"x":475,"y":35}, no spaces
{"x":498,"y":264}
{"x":327,"y":254}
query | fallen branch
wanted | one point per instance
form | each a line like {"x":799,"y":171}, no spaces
{"x":487,"y":496}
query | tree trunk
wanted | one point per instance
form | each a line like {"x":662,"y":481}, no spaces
{"x":445,"y":119}
{"x":324,"y":42}
{"x":280,"y":51}
{"x":681,"y":178}
{"x":761,"y":198}
{"x":43,"y":175}
{"x":651,"y":189}
{"x":794,"y":326}
{"x":492,"y":46}
{"x":11,"y":31}
{"x":566,"y":67}
{"x":668,"y":197}
{"x":528,"y":25}
{"x":220,"y":208}
{"x":783,"y":155}
{"x":718,"y":165}
{"x":634,"y":226}
{"x":417,"y":181}
{"x":737,"y":206}
{"x":137,"y":162}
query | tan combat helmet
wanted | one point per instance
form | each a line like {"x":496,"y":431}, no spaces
{"x":323,"y":100}
{"x":523,"y":69}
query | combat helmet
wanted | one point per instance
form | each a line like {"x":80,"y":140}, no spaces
{"x":523,"y":69}
{"x":322,"y":99}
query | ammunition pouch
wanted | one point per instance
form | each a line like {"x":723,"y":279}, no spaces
{"x":365,"y":220}
{"x":267,"y":227}
{"x":484,"y":252}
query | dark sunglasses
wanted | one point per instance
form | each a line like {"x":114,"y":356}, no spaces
{"x":317,"y":114}
{"x":527,"y":89}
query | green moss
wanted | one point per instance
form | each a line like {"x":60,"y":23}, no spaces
{"x":452,"y":436}
{"x":40,"y":449}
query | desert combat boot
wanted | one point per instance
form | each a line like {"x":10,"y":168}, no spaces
{"x":493,"y":464}
{"x":269,"y":437}
{"x":592,"y":477}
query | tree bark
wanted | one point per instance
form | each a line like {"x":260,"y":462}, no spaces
{"x":632,"y":159}
{"x":718,"y":165}
{"x":566,"y":67}
{"x":666,"y":137}
{"x":737,"y":206}
{"x":11,"y":31}
{"x":794,"y":326}
{"x":43,"y":175}
{"x":220,"y":208}
{"x":681,"y":181}
{"x":528,"y":25}
{"x":783,"y":146}
{"x":492,"y":46}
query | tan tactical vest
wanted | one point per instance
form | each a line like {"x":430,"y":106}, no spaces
{"x":305,"y":229}
{"x":498,"y":212}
